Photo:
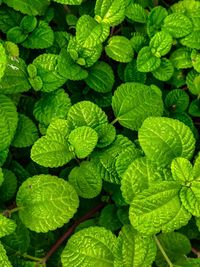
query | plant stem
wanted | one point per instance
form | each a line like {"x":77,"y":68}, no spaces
{"x":114,"y":121}
{"x":31,"y":257}
{"x":196,"y":252}
{"x":163,"y":252}
{"x":70,"y":231}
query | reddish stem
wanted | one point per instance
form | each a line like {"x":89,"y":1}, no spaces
{"x":70,"y":231}
{"x":196,"y":252}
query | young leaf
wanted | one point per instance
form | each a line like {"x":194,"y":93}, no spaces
{"x":106,"y":134}
{"x":177,"y":100}
{"x":147,"y":61}
{"x":136,"y":12}
{"x":138,"y":41}
{"x":182,"y":170}
{"x":181,"y":58}
{"x":7,"y":226}
{"x":133,"y":249}
{"x":178,"y":25}
{"x":132,"y":103}
{"x":131,"y":73}
{"x":43,"y":205}
{"x":153,"y":203}
{"x":163,"y":139}
{"x":109,"y":219}
{"x":165,"y":71}
{"x":4,"y":261}
{"x":100,"y":77}
{"x":83,"y":140}
{"x":110,"y":12}
{"x":26,"y":132}
{"x":3,"y":60}
{"x":119,"y":48}
{"x":141,"y":174}
{"x":8,"y":121}
{"x":161,"y":43}
{"x":28,"y":23}
{"x":86,"y":180}
{"x":76,"y":251}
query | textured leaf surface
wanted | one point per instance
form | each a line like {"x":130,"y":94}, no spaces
{"x":163,"y":139}
{"x":119,"y":48}
{"x":181,"y":58}
{"x":69,"y":2}
{"x":133,"y":249}
{"x":90,"y":247}
{"x":47,"y":202}
{"x":86,"y":180}
{"x":8,"y":121}
{"x":158,"y":208}
{"x":4,"y":261}
{"x":7,"y":226}
{"x":83,"y":140}
{"x":192,"y":40}
{"x":100,"y":77}
{"x":146,"y":61}
{"x":140,"y":174}
{"x":29,"y":7}
{"x":181,"y":170}
{"x":136,"y":13}
{"x":2,"y":60}
{"x":109,"y":219}
{"x":26,"y":132}
{"x":132,"y":103}
{"x":161,"y":43}
{"x":177,"y":99}
{"x":178,"y":25}
{"x":106,"y":134}
{"x":9,"y":185}
{"x":165,"y":71}
{"x":111,"y":12}
{"x":131,"y":73}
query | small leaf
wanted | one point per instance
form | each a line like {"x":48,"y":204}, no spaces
{"x":195,"y":56}
{"x":109,"y":219}
{"x":7,"y":226}
{"x":178,"y":25}
{"x":131,"y":73}
{"x":165,"y":71}
{"x":46,"y":202}
{"x":147,"y":61}
{"x":181,"y":170}
{"x":163,"y":139}
{"x":28,"y":23}
{"x":136,"y":12}
{"x":192,"y":40}
{"x":132,"y":103}
{"x":119,"y":48}
{"x":161,"y":43}
{"x":83,"y":140}
{"x":100,"y":77}
{"x":181,"y":58}
{"x":177,"y":100}
{"x":86,"y":180}
{"x":16,"y":35}
{"x":148,"y":209}
{"x":9,"y":185}
{"x":106,"y":134}
{"x":3,"y":60}
{"x":101,"y":240}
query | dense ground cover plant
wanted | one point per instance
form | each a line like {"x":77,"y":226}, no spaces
{"x":99,"y":142}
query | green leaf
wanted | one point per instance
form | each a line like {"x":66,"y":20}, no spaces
{"x":54,"y":105}
{"x":155,"y":20}
{"x":177,"y":100}
{"x":119,"y":48}
{"x":53,"y":150}
{"x":195,"y":56}
{"x":4,"y":261}
{"x":131,"y":73}
{"x":163,"y":139}
{"x":178,"y":25}
{"x":16,"y":35}
{"x":141,"y":174}
{"x":161,"y":43}
{"x":106,"y":134}
{"x":165,"y":71}
{"x":83,"y":140}
{"x":86,"y":113}
{"x":194,"y":108}
{"x":181,"y":170}
{"x":28,"y":23}
{"x":176,"y":246}
{"x":136,"y":12}
{"x":138,"y":41}
{"x":8,"y":121}
{"x":46,"y":202}
{"x":190,"y":197}
{"x":100,"y":77}
{"x":7,"y":226}
{"x":76,"y":251}
{"x":3,"y":156}
{"x":148,"y":209}
{"x":86,"y":180}
{"x":181,"y":58}
{"x":38,"y":7}
{"x":109,"y":219}
{"x":15,"y":79}
{"x":133,"y":249}
{"x":192,"y":40}
{"x":69,"y":2}
{"x":26,"y":132}
{"x":147,"y":61}
{"x":70,"y":69}
{"x":9,"y":18}
{"x":132,"y":103}
{"x":196,"y":168}
{"x":89,"y":32}
{"x":9,"y":185}
{"x":1,"y":176}
{"x":192,"y":81}
{"x":110,"y":12}
{"x":3,"y":60}
{"x":42,"y":37}
{"x":125,"y":158}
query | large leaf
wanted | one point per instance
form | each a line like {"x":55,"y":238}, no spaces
{"x":132,"y":103}
{"x":4,"y":261}
{"x":7,"y":226}
{"x":158,"y":208}
{"x":146,"y":60}
{"x":8,"y":121}
{"x":3,"y":60}
{"x":86,"y":180}
{"x":93,"y":246}
{"x":133,"y":249}
{"x":46,"y":202}
{"x":163,"y":139}
{"x":110,"y":12}
{"x":32,"y":8}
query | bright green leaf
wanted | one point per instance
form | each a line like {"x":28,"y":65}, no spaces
{"x":147,"y":61}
